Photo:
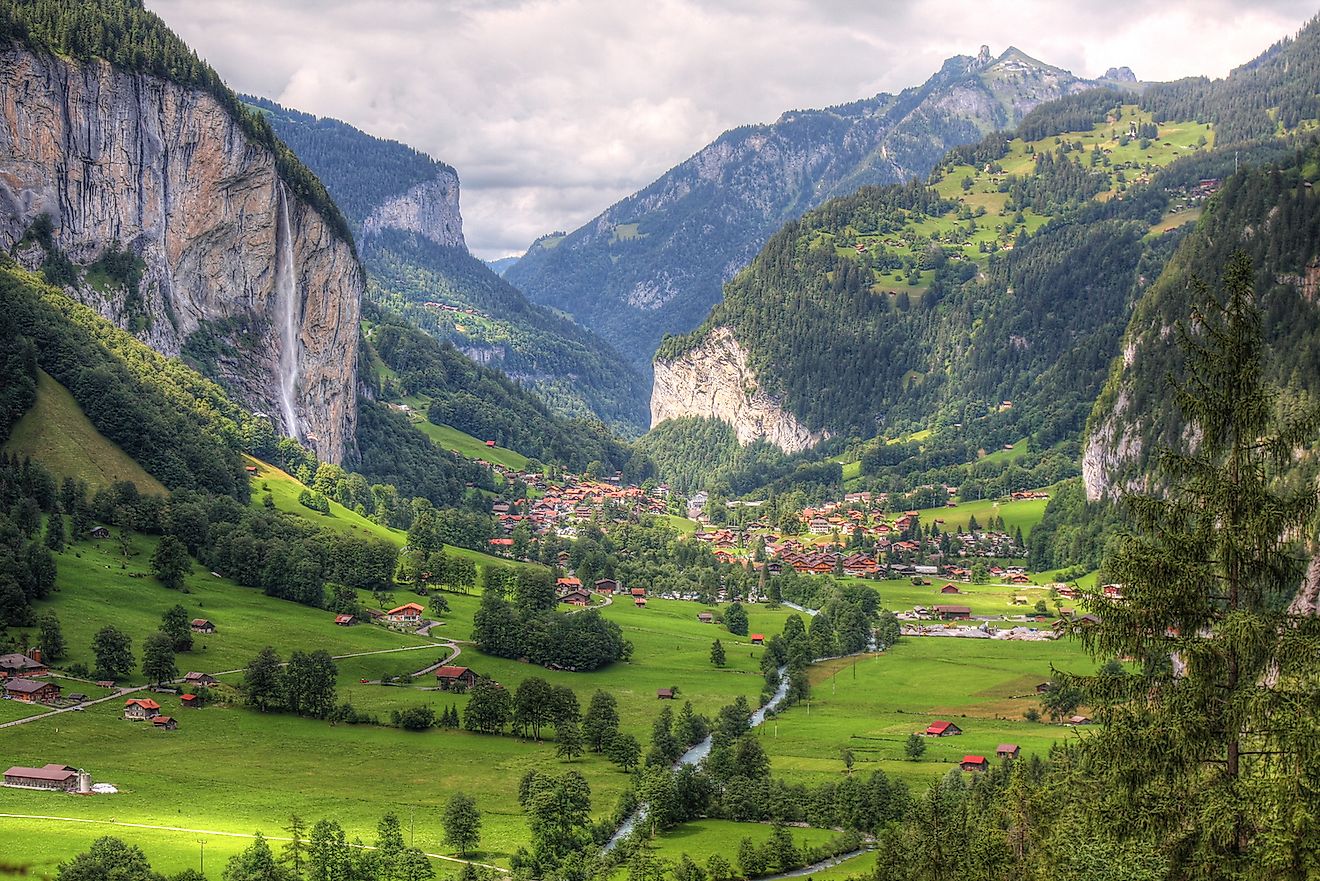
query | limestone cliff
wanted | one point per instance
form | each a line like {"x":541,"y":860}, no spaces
{"x":164,"y":170}
{"x":429,"y":209}
{"x":714,"y":380}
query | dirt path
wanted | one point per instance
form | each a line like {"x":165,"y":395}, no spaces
{"x":119,"y":692}
{"x":434,"y":856}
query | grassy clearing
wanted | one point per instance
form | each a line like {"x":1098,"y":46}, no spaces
{"x":468,"y":446}
{"x":97,"y":585}
{"x":56,"y":433}
{"x":1004,"y":456}
{"x":702,"y":838}
{"x":870,"y":705}
{"x":285,"y":489}
{"x":1026,"y":514}
{"x":983,"y":599}
{"x":682,"y":524}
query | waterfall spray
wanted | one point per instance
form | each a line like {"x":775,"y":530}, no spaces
{"x":289,"y":306}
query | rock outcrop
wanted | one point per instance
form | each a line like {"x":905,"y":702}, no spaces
{"x":429,"y":209}
{"x":164,"y":170}
{"x":714,"y":380}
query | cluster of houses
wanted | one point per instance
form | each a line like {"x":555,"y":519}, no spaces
{"x":22,"y":679}
{"x":1005,"y":751}
{"x":563,"y":506}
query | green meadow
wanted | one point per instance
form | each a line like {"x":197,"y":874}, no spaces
{"x":871,"y":704}
{"x":56,"y":433}
{"x":1026,"y":514}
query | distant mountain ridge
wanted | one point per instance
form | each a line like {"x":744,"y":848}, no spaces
{"x":403,"y":207}
{"x":654,"y":263}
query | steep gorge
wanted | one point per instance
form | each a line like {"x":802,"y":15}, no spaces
{"x":118,"y":158}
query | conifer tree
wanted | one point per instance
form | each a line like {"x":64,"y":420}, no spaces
{"x":1212,"y":742}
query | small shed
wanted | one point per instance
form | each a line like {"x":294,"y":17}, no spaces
{"x":639,"y":601}
{"x":165,"y":723}
{"x":974,"y":763}
{"x":345,"y":620}
{"x":205,"y":680}
{"x":202,"y":625}
{"x":98,"y":532}
{"x":705,"y":617}
{"x":664,"y":694}
{"x":1007,"y":750}
{"x":758,"y":639}
{"x":191,"y":701}
{"x":455,"y":678}
{"x":940,"y":728}
{"x":950,"y":588}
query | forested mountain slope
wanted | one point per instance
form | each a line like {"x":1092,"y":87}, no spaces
{"x":137,"y":182}
{"x":654,"y":262}
{"x":997,"y":291}
{"x":403,"y":207}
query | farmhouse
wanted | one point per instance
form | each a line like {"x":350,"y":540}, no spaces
{"x":1007,"y":750}
{"x":32,"y":692}
{"x":578,"y":597}
{"x":638,"y":591}
{"x":57,"y":777}
{"x":409,"y":614}
{"x":202,"y":625}
{"x":139,"y":709}
{"x":606,"y":586}
{"x":953,"y":613}
{"x":204,"y":679}
{"x":16,"y":664}
{"x":455,"y":678}
{"x":974,"y":763}
{"x":942,"y":729}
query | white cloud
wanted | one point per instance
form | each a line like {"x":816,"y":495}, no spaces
{"x":553,"y":109}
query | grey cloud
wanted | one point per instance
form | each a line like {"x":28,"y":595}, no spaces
{"x":553,"y":109}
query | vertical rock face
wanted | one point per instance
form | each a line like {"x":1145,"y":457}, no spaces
{"x":429,"y":209}
{"x":714,"y":380}
{"x":165,"y":172}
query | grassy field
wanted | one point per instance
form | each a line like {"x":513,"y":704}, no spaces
{"x":56,"y":433}
{"x":468,"y":446}
{"x":285,"y":489}
{"x":1025,"y":514}
{"x":983,"y":599}
{"x":870,"y":705}
{"x":1003,"y":457}
{"x":702,"y":838}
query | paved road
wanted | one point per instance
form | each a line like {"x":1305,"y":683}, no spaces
{"x":118,"y":693}
{"x":438,"y":664}
{"x":218,"y":834}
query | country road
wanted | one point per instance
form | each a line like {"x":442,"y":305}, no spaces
{"x":217,"y":833}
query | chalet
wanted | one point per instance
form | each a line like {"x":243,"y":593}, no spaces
{"x":577,"y":597}
{"x":455,"y":678}
{"x":568,"y":583}
{"x":705,"y":617}
{"x":950,"y":588}
{"x":638,"y":591}
{"x":31,"y":691}
{"x":16,"y":664}
{"x":664,"y":694}
{"x":191,"y":701}
{"x":98,"y":532}
{"x":138,"y":709}
{"x":407,"y":615}
{"x":953,"y":613}
{"x":164,"y":723}
{"x":758,"y":639}
{"x":205,"y":680}
{"x":819,"y":526}
{"x":56,"y":777}
{"x":1007,"y":750}
{"x":942,"y":729}
{"x":974,"y":763}
{"x":345,"y":620}
{"x":201,"y":625}
{"x":606,"y":586}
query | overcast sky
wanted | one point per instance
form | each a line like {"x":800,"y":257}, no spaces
{"x":551,"y":110}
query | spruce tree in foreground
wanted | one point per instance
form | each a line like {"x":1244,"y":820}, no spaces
{"x":1215,"y":742}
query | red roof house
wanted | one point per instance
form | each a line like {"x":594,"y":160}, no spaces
{"x":138,"y":709}
{"x":974,"y":763}
{"x":455,"y":678}
{"x":942,"y":729}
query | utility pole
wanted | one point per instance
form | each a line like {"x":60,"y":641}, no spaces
{"x":202,"y":842}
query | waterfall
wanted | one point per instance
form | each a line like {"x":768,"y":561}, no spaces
{"x":289,"y":309}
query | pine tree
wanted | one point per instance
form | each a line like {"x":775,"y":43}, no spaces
{"x":717,"y":654}
{"x":1219,"y":726}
